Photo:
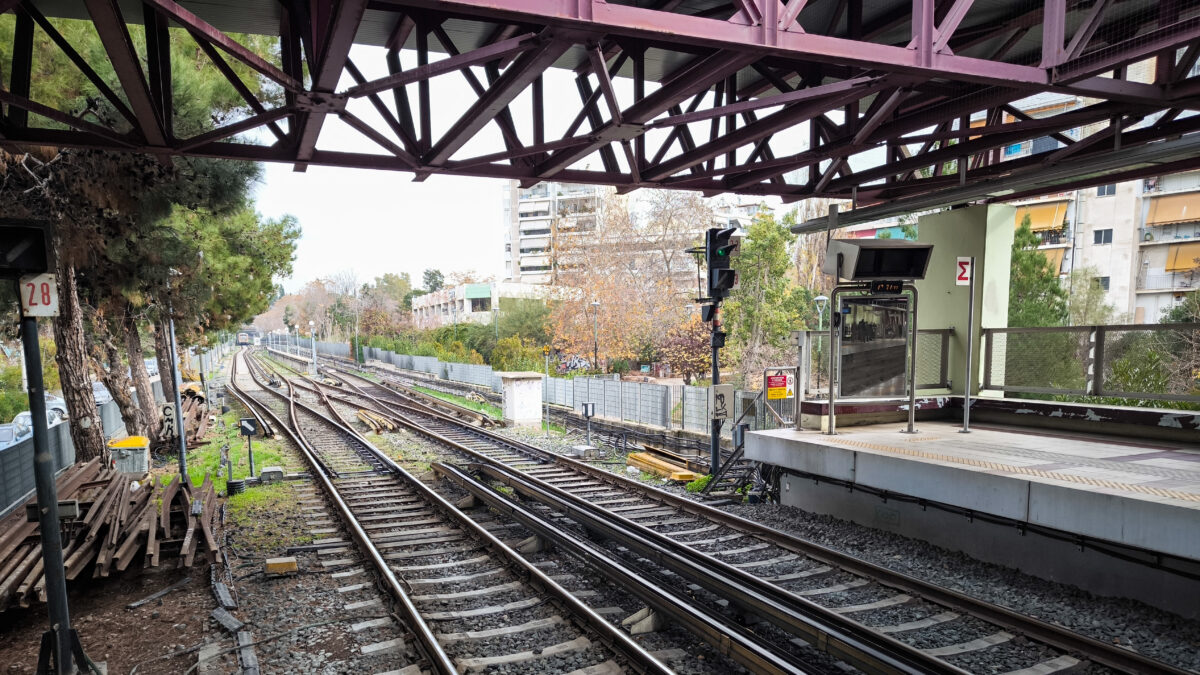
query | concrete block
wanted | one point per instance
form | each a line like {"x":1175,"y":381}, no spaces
{"x":271,"y":474}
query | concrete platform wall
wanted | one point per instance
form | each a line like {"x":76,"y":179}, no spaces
{"x":1003,"y":545}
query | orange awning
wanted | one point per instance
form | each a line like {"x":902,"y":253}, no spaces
{"x":1055,"y":257}
{"x":1170,"y":209}
{"x":1183,"y":257}
{"x":1047,"y":216}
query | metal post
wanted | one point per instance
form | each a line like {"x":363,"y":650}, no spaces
{"x":596,"y":334}
{"x":47,"y":501}
{"x":178,"y":379}
{"x":715,"y":435}
{"x":970,"y":352}
{"x":833,"y":333}
{"x":801,"y":375}
{"x":912,"y":365}
{"x":544,"y":389}
{"x":250,"y":452}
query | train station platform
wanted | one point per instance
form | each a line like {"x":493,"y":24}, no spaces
{"x":1087,"y":493}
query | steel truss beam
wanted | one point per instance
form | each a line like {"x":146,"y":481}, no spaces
{"x":898,"y":105}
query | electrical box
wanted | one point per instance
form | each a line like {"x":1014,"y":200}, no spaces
{"x":872,"y":259}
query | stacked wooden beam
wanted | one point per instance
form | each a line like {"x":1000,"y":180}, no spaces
{"x":122,"y":517}
{"x":660,"y":467}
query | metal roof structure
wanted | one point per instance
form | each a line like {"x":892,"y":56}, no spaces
{"x":885,"y":91}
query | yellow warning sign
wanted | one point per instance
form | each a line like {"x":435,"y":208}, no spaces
{"x":779,"y":387}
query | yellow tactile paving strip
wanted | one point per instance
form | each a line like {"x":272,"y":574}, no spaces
{"x":1007,"y":468}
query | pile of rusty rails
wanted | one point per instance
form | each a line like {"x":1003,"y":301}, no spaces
{"x":553,"y":480}
{"x":195,"y":420}
{"x":109,"y":520}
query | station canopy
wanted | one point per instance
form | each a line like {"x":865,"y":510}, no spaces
{"x":895,"y":105}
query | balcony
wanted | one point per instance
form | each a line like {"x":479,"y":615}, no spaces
{"x":1053,"y":237}
{"x":1166,"y":282}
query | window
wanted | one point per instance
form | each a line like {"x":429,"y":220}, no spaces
{"x":481,"y":304}
{"x":1045,"y":144}
{"x":1106,"y":190}
{"x":1102,"y":236}
{"x":1102,"y":282}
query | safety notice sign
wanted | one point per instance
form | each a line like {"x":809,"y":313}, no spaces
{"x":780,"y":387}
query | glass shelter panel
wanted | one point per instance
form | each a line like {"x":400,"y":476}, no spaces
{"x":874,"y":347}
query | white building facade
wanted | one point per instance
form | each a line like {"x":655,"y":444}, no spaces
{"x":470,"y":303}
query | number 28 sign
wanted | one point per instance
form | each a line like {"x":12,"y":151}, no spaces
{"x":39,"y":295}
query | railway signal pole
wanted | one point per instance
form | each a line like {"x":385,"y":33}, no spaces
{"x":718,"y":248}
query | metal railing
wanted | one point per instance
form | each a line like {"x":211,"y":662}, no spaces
{"x":933,"y":361}
{"x":1165,"y":282}
{"x":1130,"y":364}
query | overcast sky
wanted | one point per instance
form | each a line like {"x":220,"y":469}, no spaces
{"x":374,"y":222}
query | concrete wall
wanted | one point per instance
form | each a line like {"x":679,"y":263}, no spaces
{"x":1004,"y":545}
{"x":985,"y":232}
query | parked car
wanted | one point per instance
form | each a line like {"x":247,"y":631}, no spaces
{"x":23,"y":422}
{"x":100,"y":392}
{"x":57,"y":404}
{"x":151,"y":368}
{"x":8,"y":435}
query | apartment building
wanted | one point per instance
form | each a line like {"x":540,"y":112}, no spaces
{"x":534,"y":216}
{"x":470,"y":303}
{"x":1138,"y":240}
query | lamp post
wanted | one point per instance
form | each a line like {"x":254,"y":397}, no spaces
{"x":177,"y":378}
{"x":821,"y":301}
{"x":596,"y":333}
{"x":496,"y":320}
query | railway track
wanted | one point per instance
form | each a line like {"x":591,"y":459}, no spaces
{"x":952,"y":628}
{"x":469,"y":601}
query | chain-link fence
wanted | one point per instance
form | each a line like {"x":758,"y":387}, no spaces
{"x":1118,"y":364}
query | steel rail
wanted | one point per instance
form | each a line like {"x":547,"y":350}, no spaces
{"x":835,"y":634}
{"x":881,"y":654}
{"x":729,"y":638}
{"x":616,"y":640}
{"x":437,"y":657}
{"x":1052,"y":635}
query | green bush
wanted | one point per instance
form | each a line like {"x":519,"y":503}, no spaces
{"x":699,"y":484}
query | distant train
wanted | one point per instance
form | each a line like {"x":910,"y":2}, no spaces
{"x":243,"y":338}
